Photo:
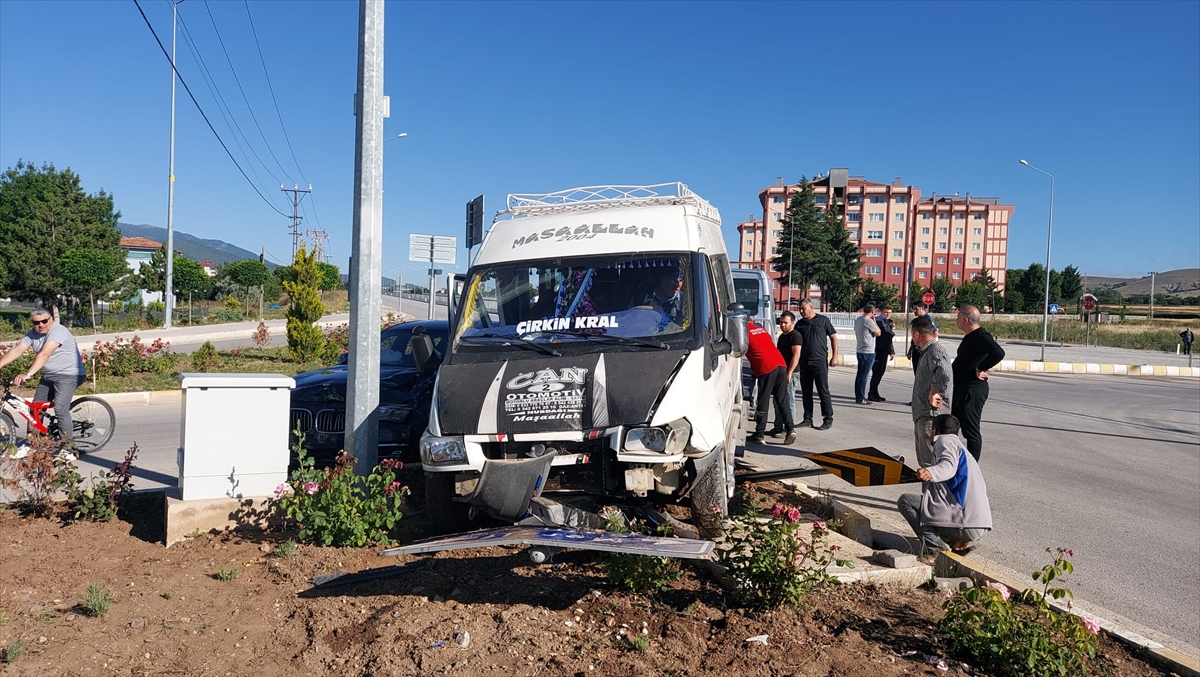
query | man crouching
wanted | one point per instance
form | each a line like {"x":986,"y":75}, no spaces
{"x":953,"y":505}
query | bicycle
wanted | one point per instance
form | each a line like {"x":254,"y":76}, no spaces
{"x":92,"y":421}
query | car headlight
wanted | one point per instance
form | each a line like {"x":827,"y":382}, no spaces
{"x":669,"y":439}
{"x":442,"y":450}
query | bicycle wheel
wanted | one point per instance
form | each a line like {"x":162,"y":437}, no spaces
{"x":93,"y":423}
{"x":9,"y":433}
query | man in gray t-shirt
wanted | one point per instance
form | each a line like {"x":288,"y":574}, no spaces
{"x":57,"y":357}
{"x":865,"y":331}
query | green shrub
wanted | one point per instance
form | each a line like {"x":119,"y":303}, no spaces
{"x":98,"y":501}
{"x":334,"y":506}
{"x":305,"y":340}
{"x":771,"y":561}
{"x":227,"y":315}
{"x":637,"y":573}
{"x":205,"y":359}
{"x":98,"y":601}
{"x":229,"y":574}
{"x":1018,"y":635}
{"x":286,"y":549}
{"x":123,"y":357}
{"x":12,"y":652}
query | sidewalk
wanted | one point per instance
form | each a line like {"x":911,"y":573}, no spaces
{"x":1021,"y":356}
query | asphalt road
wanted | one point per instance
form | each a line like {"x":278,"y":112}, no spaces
{"x":1106,"y":466}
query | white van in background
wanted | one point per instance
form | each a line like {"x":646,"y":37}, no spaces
{"x":752,"y":289}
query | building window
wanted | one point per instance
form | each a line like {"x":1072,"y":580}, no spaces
{"x":943,"y":216}
{"x":776,"y":233}
{"x":776,"y":216}
{"x":821,"y":199}
{"x":852,"y":233}
{"x":898,"y":218}
{"x":958,"y":231}
{"x":941,"y":245}
{"x":895,"y":270}
{"x":957,"y":260}
{"x":974,"y":260}
{"x":749,"y":243}
{"x":777,"y":199}
{"x":924,"y":260}
{"x":924,"y":245}
{"x":943,"y":231}
{"x":977,"y":231}
{"x":874,"y":234}
{"x":975,"y":246}
{"x":960,"y":216}
{"x":897,"y":252}
{"x":958,"y":246}
{"x":941,"y":260}
{"x":854,"y":199}
{"x":941,"y":274}
{"x":875,"y":217}
{"x":926,"y":215}
{"x":954,"y":275}
{"x":925,"y":230}
{"x":873,"y":270}
{"x":878,"y":199}
{"x":874,"y":251}
{"x":774,"y":250}
{"x":922,"y":275}
{"x":979,"y":216}
{"x":901,"y":199}
{"x":897,"y":235}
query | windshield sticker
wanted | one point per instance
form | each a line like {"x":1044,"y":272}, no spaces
{"x":584,"y":232}
{"x":565,"y":323}
{"x":547,"y":395}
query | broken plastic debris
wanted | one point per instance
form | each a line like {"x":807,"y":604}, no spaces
{"x":761,"y":639}
{"x":437,"y":645}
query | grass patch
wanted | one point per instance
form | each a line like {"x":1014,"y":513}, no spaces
{"x":98,"y":601}
{"x":230,"y":574}
{"x":12,"y":652}
{"x":640,"y":643}
{"x":286,"y":549}
{"x":1150,"y":335}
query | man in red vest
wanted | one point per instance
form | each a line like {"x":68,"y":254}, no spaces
{"x":771,"y":371}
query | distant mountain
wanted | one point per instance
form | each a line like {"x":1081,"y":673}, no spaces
{"x":197,"y":249}
{"x":1182,"y":282}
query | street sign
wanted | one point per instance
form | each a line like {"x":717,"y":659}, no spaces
{"x":562,"y":537}
{"x":432,"y":248}
{"x":1089,"y":302}
{"x":434,"y":271}
{"x":475,"y":222}
{"x":928,"y":298}
{"x":1053,"y":308}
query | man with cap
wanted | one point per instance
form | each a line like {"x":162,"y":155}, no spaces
{"x":666,"y":296}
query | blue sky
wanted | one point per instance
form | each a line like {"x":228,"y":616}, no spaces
{"x":502,"y":98}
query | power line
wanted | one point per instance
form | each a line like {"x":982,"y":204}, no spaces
{"x":201,"y":110}
{"x":223,"y":107}
{"x":253,"y":117}
{"x":272,"y":90}
{"x":273,"y":258}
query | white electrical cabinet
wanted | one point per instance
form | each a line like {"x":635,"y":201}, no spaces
{"x":234,"y":435}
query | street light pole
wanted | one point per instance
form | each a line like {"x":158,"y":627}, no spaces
{"x":1151,"y":313}
{"x":168,"y":290}
{"x":1049,"y":236}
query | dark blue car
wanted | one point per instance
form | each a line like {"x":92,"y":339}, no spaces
{"x":319,"y":399}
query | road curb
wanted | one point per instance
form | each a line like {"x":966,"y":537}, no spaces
{"x":1127,"y":632}
{"x":1036,"y":367}
{"x":143,"y":397}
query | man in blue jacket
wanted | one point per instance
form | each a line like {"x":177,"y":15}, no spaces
{"x":952,"y":510}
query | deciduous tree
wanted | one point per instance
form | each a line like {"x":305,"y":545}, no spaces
{"x":943,"y":292}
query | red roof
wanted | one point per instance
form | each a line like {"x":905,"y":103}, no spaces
{"x":207,"y":264}
{"x":139,"y":243}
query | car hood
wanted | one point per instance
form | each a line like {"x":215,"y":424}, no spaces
{"x":550,"y":394}
{"x":329,"y":384}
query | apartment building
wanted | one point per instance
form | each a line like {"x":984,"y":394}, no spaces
{"x":895,"y":227}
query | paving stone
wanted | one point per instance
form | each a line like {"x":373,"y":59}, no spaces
{"x":894,"y":559}
{"x":956,"y":584}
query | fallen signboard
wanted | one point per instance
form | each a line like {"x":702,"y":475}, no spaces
{"x":561,"y":537}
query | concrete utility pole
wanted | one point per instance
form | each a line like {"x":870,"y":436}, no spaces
{"x":297,"y":196}
{"x":168,"y":290}
{"x":1152,"y":275}
{"x":370,"y":109}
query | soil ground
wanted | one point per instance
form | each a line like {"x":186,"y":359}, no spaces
{"x":172,"y":615}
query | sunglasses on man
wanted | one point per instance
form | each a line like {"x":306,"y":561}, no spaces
{"x":45,"y":321}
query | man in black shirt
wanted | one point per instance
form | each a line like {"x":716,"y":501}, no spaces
{"x":788,"y":344}
{"x":883,"y":350}
{"x":815,"y":361}
{"x":977,"y":353}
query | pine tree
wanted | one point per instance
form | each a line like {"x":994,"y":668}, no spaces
{"x":801,"y":249}
{"x":305,"y":339}
{"x":838,"y":276}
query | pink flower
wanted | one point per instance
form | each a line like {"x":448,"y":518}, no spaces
{"x":819,"y":524}
{"x":715,"y":509}
{"x":777,"y":510}
{"x":1001,"y":588}
{"x":793,"y":515}
{"x":311,"y":488}
{"x":281,"y":490}
{"x":1089,"y":622}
